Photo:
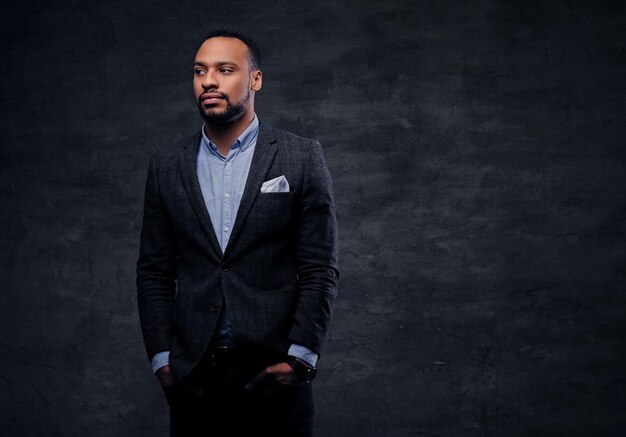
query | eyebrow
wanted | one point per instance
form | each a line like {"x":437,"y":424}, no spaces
{"x":218,"y":63}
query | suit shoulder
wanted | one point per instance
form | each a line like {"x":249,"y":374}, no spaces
{"x":292,"y":140}
{"x":171,"y":152}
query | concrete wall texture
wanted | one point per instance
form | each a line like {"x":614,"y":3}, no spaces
{"x":477,"y":151}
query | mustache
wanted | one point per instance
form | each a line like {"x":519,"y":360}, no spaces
{"x":222,"y":95}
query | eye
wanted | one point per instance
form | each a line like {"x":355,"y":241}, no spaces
{"x":226,"y":70}
{"x":199,"y":71}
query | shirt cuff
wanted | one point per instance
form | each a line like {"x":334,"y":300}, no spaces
{"x":304,"y":353}
{"x":159,"y":360}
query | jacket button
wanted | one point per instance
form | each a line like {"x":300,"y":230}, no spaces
{"x":224,"y":267}
{"x":214,"y":307}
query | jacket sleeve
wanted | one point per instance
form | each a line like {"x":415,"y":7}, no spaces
{"x":156,"y":269}
{"x":316,"y":254}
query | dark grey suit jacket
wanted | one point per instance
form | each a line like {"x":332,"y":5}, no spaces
{"x":278,"y":274}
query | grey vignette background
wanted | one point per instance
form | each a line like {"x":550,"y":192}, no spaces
{"x":477,"y":152}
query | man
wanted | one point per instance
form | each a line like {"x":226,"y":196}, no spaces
{"x":237,"y":271}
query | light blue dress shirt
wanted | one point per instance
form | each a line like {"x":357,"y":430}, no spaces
{"x":222,"y":181}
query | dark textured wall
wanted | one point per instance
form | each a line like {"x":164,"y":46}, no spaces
{"x":477,"y":151}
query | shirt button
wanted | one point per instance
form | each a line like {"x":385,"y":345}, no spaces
{"x":227,"y":195}
{"x":225,"y":228}
{"x":214,"y":307}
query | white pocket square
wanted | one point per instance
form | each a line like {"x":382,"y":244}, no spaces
{"x":276,"y":185}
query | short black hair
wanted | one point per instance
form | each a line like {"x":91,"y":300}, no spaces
{"x":253,"y":50}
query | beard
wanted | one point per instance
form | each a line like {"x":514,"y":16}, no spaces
{"x":231,"y":112}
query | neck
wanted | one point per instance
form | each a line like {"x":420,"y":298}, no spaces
{"x":223,"y":135}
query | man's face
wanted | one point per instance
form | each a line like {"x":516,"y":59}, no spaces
{"x":223,"y":85}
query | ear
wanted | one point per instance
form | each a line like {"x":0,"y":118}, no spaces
{"x":257,"y":81}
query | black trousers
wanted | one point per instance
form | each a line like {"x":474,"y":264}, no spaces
{"x":212,"y":401}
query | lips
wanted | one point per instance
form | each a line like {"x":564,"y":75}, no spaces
{"x":210,"y":98}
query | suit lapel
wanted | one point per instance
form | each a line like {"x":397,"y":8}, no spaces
{"x":264,"y":152}
{"x":188,"y":160}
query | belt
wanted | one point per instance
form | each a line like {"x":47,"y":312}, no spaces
{"x":231,"y":356}
{"x":222,"y":356}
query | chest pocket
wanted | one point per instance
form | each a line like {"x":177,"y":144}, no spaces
{"x":273,"y":212}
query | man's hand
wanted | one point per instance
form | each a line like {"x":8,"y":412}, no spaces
{"x":282,"y":373}
{"x":165,"y":376}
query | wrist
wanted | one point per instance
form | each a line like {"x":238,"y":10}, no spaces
{"x":306,"y":371}
{"x":304,"y":362}
{"x":165,"y":375}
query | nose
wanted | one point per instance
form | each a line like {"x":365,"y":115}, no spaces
{"x":209,"y":81}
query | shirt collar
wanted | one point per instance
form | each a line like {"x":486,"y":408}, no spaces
{"x":243,"y":141}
